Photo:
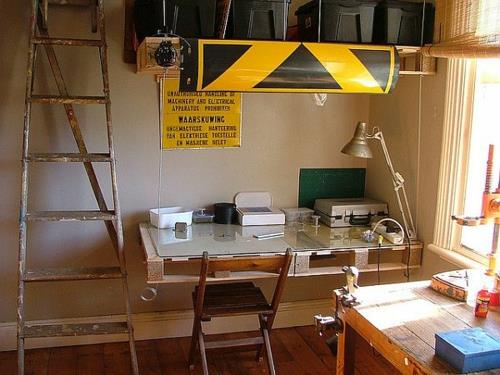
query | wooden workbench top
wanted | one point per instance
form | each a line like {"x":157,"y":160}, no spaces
{"x":407,"y":316}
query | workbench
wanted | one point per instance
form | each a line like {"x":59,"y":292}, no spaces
{"x":173,"y":257}
{"x":399,"y":321}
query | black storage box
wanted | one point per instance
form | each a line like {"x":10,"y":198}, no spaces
{"x":187,"y":18}
{"x":258,"y":19}
{"x":400,"y":22}
{"x":341,"y":21}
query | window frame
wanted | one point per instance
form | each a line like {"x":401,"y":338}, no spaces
{"x":452,"y":185}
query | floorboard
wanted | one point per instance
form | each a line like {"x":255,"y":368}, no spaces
{"x":296,"y":351}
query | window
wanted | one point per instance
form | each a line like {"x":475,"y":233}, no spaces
{"x":485,"y":130}
{"x":472,"y":122}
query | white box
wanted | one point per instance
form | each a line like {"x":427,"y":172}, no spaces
{"x":166,"y":217}
{"x":255,"y":208}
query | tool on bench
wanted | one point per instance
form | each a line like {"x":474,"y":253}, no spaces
{"x":344,"y":297}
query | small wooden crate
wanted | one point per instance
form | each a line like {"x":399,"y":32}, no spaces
{"x":412,"y":62}
{"x":146,"y":62}
{"x":330,"y":262}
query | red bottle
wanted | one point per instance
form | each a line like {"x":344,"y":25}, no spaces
{"x":482,"y":302}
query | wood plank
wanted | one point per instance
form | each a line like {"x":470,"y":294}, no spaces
{"x":62,"y":361}
{"x":66,"y":274}
{"x":337,"y":270}
{"x":423,"y":351}
{"x":69,"y":42}
{"x":69,"y":157}
{"x":317,"y":345}
{"x":148,"y":356}
{"x":234,"y":276}
{"x":234,"y":342}
{"x":70,"y":215}
{"x":308,"y":363}
{"x":261,"y":263}
{"x":463,"y":311}
{"x":171,"y":359}
{"x":59,"y":330}
{"x":37,"y":361}
{"x":58,"y":99}
{"x":117,"y":359}
{"x":154,"y":263}
{"x":8,"y":362}
{"x":90,"y":359}
{"x":81,"y":3}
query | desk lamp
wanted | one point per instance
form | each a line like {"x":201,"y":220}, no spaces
{"x":358,"y":147}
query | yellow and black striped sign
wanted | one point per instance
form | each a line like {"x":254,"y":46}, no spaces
{"x":276,"y":66}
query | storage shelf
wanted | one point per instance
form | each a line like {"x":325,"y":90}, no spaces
{"x":335,"y":270}
{"x":412,"y":62}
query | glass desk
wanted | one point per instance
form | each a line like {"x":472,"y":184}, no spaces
{"x":165,"y":249}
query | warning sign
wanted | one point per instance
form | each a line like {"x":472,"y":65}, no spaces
{"x":199,"y":119}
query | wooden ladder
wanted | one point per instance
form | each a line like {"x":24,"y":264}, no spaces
{"x":39,"y":36}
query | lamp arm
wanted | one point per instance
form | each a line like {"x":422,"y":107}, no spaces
{"x":398,"y":182}
{"x":379,"y":136}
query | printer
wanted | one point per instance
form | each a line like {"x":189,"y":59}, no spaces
{"x":349,"y":212}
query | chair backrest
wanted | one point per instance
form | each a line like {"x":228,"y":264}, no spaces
{"x":278,"y":265}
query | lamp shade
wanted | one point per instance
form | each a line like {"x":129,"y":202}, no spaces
{"x":358,"y":146}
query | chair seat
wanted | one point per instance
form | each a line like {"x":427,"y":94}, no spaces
{"x":233,"y":299}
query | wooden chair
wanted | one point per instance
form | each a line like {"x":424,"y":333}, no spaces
{"x":240,"y":298}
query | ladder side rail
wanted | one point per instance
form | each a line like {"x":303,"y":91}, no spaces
{"x":103,"y":54}
{"x":24,"y":189}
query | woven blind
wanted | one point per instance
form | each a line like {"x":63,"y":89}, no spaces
{"x":466,"y":29}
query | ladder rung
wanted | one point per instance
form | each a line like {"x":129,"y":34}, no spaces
{"x":69,"y":157}
{"x":70,"y":215}
{"x":57,"y":99}
{"x":58,"y":330}
{"x":66,"y":274}
{"x":69,"y":42}
{"x":82,"y":3}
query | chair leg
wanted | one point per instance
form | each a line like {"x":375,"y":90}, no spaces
{"x":269,"y":353}
{"x":203,"y":354}
{"x":260,"y":348}
{"x":194,"y":342}
{"x":267,"y":345}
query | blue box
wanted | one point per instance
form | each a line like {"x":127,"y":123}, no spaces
{"x":469,"y":350}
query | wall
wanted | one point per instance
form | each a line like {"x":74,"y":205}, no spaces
{"x":281,"y":133}
{"x":397,"y":115}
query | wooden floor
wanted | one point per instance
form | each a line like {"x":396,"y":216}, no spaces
{"x":296,"y":351}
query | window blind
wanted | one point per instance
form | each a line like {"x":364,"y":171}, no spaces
{"x":466,"y":29}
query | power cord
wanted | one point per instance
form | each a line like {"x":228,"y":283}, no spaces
{"x":408,"y":257}
{"x":379,"y":249}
